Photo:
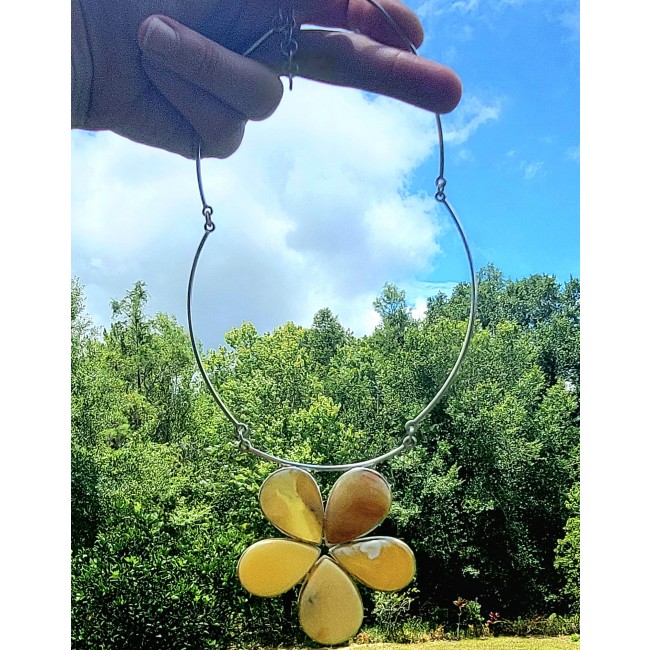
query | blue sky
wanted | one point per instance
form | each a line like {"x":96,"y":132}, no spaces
{"x":309,"y":218}
{"x":516,"y":180}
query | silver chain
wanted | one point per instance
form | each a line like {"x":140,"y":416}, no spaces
{"x":285,"y":24}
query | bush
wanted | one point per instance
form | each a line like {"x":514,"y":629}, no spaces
{"x":391,"y":611}
{"x":414,"y":630}
{"x":553,"y":625}
{"x":147,"y":584}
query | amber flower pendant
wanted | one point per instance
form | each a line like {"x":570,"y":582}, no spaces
{"x":326,"y":549}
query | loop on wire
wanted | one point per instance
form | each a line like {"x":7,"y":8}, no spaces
{"x":409,"y":442}
{"x":242,"y":435}
{"x":289,"y":45}
{"x":411,"y":427}
{"x":245,"y":444}
{"x":207,"y":213}
{"x":440,"y":188}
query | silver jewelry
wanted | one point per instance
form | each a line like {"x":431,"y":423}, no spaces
{"x":284,"y":24}
{"x":327,"y":546}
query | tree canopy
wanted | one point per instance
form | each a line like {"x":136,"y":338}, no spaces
{"x":164,"y":501}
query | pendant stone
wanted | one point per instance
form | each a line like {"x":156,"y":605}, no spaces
{"x":329,"y":606}
{"x":272,"y":566}
{"x":290,"y":499}
{"x":358,"y":502}
{"x":381,"y":563}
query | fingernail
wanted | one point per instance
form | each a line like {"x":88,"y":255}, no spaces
{"x":158,"y":38}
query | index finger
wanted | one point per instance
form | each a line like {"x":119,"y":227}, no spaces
{"x":354,"y":60}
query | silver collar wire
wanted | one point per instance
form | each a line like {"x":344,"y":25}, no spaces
{"x":284,"y":25}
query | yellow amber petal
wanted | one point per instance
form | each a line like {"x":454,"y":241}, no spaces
{"x":291,"y":501}
{"x":329,"y":607}
{"x":358,"y":502}
{"x":273,"y":566}
{"x":382,"y":563}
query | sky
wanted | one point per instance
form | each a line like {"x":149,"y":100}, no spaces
{"x":333,"y":196}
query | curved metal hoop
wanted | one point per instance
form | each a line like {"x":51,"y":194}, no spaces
{"x":411,"y":426}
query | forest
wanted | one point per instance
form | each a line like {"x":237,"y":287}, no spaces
{"x":164,"y":501}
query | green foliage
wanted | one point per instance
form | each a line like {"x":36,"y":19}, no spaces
{"x":325,"y":337}
{"x":395,"y":314}
{"x":567,"y":558}
{"x":154,"y":360}
{"x":164,"y":502}
{"x":552,"y":625}
{"x":472,"y":613}
{"x":391,"y":610}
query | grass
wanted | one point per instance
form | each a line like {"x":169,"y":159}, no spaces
{"x":492,"y":643}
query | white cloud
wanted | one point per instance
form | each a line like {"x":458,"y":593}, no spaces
{"x":440,"y":7}
{"x":471,"y":114}
{"x":530,"y":169}
{"x":573,"y":153}
{"x":419,"y":309}
{"x":564,"y":12}
{"x":570,"y":20}
{"x":465,"y":6}
{"x":465,"y":155}
{"x":313,"y":210}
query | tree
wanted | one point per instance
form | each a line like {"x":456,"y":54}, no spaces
{"x":153,"y":357}
{"x":130,"y":335}
{"x":96,"y":406}
{"x":490,"y":288}
{"x":533,"y":300}
{"x":164,"y":500}
{"x":325,"y":336}
{"x":394,"y":312}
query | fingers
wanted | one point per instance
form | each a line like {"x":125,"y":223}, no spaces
{"x":361,"y":16}
{"x":376,"y":58}
{"x":201,"y":88}
{"x":219,"y":127}
{"x":154,"y":121}
{"x":245,"y":85}
{"x":357,"y":61}
{"x":204,"y":89}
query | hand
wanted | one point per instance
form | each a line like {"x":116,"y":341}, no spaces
{"x":163,"y":72}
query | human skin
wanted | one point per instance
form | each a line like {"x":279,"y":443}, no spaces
{"x":170,"y":73}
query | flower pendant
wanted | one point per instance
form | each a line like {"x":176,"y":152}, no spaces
{"x":326,"y":549}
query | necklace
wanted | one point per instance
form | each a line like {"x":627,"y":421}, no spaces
{"x":327,"y":547}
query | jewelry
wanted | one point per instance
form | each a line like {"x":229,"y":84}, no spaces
{"x":327,"y":547}
{"x":284,"y":24}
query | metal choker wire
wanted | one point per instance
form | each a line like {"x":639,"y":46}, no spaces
{"x":284,"y":26}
